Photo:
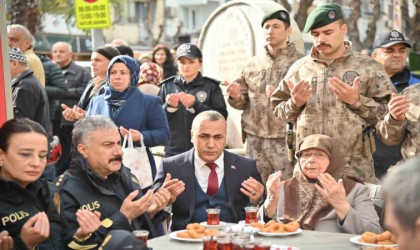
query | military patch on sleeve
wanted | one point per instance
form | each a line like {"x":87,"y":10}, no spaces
{"x":201,"y":96}
{"x":349,"y":77}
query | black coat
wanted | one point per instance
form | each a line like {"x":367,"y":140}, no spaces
{"x":80,"y":188}
{"x":55,"y":84}
{"x":30,"y":99}
{"x":18,"y":204}
{"x":208,"y":96}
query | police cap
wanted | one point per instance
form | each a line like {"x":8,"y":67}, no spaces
{"x":188,"y":50}
{"x":387,"y":39}
{"x":323,"y":15}
{"x":281,"y":15}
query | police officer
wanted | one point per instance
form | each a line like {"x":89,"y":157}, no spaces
{"x":335,"y":91}
{"x":27,"y":210}
{"x":251,"y":92}
{"x":390,"y":50}
{"x":186,"y":95}
{"x":97,"y":181}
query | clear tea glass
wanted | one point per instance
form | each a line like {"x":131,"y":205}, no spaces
{"x":251,"y":215}
{"x":213,"y":216}
{"x":142,"y":235}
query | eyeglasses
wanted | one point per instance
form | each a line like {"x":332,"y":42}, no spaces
{"x":317,"y":154}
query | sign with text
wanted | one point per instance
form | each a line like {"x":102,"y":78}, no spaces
{"x":92,"y":14}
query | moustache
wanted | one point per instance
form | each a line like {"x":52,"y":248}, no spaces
{"x":116,"y":158}
{"x":323,"y":44}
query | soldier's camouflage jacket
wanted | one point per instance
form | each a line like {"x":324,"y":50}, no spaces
{"x":263,"y":70}
{"x":407,"y":132}
{"x":323,"y":113}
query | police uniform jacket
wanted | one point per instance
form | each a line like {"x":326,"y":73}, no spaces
{"x":208,"y":96}
{"x":18,"y":204}
{"x":407,"y":132}
{"x":80,"y":188}
{"x":261,"y":71}
{"x":323,"y":113}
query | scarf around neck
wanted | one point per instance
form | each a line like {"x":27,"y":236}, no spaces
{"x":116,"y":99}
{"x":303,"y":202}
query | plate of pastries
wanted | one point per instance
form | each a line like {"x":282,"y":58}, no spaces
{"x":385,"y":239}
{"x":274,"y":228}
{"x":194,"y":232}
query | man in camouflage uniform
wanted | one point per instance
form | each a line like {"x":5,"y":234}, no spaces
{"x":251,"y":93}
{"x":335,"y":91}
{"x":402,"y":123}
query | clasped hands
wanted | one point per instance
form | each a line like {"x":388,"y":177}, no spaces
{"x":186,"y":99}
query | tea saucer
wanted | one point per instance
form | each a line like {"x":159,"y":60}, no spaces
{"x":204,"y":224}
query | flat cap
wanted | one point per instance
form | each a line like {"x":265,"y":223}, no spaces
{"x":323,"y":15}
{"x":387,"y":39}
{"x":281,"y":15}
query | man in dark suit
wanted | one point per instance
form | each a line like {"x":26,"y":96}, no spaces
{"x":213,"y":177}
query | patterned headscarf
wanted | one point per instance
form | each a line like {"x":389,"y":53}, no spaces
{"x":150,"y":73}
{"x":304,"y":202}
{"x":15,"y":54}
{"x":116,"y":98}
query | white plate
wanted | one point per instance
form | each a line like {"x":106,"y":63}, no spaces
{"x":242,"y":222}
{"x":278,"y":247}
{"x":204,"y":224}
{"x":355,"y":240}
{"x":172,"y":235}
{"x":298,"y":231}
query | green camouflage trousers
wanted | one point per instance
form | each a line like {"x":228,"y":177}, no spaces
{"x":271,"y":156}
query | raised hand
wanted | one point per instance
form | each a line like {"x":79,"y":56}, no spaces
{"x":174,"y":186}
{"x":398,"y":106}
{"x":35,"y":230}
{"x":300,"y":93}
{"x":88,"y":221}
{"x":334,"y":193}
{"x":186,"y":99}
{"x":6,"y":241}
{"x":253,"y":189}
{"x":234,"y":90}
{"x":132,"y":209}
{"x":344,"y":92}
{"x":172,"y":100}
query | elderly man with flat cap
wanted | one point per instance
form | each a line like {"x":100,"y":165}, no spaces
{"x":251,"y":93}
{"x":390,"y":50}
{"x":335,"y":91}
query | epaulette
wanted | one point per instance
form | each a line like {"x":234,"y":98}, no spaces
{"x":212,"y":80}
{"x":57,"y":200}
{"x":169,"y":79}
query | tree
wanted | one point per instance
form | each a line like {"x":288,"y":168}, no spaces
{"x":26,"y":13}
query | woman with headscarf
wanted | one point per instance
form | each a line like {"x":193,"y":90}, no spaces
{"x":140,"y":114}
{"x":151,"y":75}
{"x":320,"y":197}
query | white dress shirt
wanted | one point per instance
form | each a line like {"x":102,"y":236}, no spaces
{"x":202,"y":171}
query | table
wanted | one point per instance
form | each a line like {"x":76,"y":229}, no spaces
{"x":307,"y":240}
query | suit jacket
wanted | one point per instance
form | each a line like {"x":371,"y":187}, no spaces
{"x":237,"y":169}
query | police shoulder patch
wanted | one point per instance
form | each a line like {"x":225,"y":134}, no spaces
{"x":349,"y":77}
{"x":201,"y":96}
{"x":212,"y":80}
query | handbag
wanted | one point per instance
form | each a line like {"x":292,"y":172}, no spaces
{"x":137,"y":160}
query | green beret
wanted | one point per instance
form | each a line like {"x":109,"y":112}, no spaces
{"x":282,"y":15}
{"x":323,"y":15}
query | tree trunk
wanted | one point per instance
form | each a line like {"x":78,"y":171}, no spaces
{"x":406,"y":22}
{"x":285,"y":4}
{"x":302,"y":13}
{"x":26,"y":13}
{"x":371,"y":29}
{"x":353,"y":31}
{"x":415,"y":31}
